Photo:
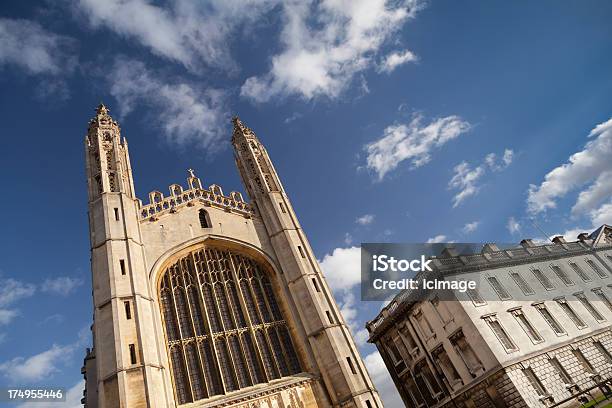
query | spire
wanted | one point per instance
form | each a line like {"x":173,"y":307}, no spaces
{"x":241,"y":131}
{"x":102,"y":109}
{"x":102,"y":117}
{"x":102,"y":113}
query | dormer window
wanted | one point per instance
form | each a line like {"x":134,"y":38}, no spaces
{"x":204,"y":219}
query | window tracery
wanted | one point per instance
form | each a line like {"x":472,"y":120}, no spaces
{"x":224,"y":327}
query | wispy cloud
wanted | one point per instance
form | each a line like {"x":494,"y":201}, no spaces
{"x":194,"y":34}
{"x":37,"y":367}
{"x":324,"y":44}
{"x":35,"y":50}
{"x":589,"y":168}
{"x":465,"y":181}
{"x":12,"y":290}
{"x":365,"y":219}
{"x":348,"y":309}
{"x":438,"y":239}
{"x":395,"y":59}
{"x":294,"y":116}
{"x":188,"y":113}
{"x":412,"y":142}
{"x":466,"y":178}
{"x":44,"y":364}
{"x":470,"y":227}
{"x":61,"y":285}
{"x":7,"y":316}
{"x":55,"y":318}
{"x":496,"y":164}
{"x":513,"y":226}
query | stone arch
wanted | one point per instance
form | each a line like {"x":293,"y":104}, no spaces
{"x":222,"y":325}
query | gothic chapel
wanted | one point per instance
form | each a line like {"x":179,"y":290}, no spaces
{"x":202,"y":299}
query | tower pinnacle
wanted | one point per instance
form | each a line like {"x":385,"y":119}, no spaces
{"x":101,"y":109}
{"x":241,"y":131}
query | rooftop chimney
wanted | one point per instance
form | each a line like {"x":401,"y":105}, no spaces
{"x":559,"y":239}
{"x":527,"y":243}
{"x":583,"y":236}
{"x":449,"y":252}
{"x":489,"y":247}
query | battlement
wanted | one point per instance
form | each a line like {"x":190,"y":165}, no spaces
{"x":179,"y":197}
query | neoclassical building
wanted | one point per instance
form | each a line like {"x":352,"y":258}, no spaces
{"x":202,"y":299}
{"x":537,"y":331}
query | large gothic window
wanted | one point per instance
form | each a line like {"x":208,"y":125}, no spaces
{"x":223,"y":325}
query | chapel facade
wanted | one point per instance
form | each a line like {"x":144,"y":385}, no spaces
{"x":204,"y":299}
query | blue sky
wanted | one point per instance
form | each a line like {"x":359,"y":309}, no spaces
{"x":400,"y":121}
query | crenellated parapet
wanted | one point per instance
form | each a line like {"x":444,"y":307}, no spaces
{"x":179,"y":197}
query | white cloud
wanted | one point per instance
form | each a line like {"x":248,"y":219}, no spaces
{"x":490,"y":159}
{"x":590,"y":167}
{"x":43,"y":365}
{"x":62,"y":285}
{"x":294,"y":116}
{"x":366,"y":219}
{"x":348,"y":310}
{"x":602,"y":215}
{"x":191,"y":33}
{"x":395,"y":59}
{"x":437,"y":239}
{"x":324,"y":44}
{"x":382,"y":380}
{"x":37,"y":367}
{"x":470,"y":227}
{"x":498,"y":165}
{"x":361,"y":337}
{"x":342,"y":268}
{"x":187,"y":113}
{"x":464,"y":180}
{"x":348,"y":239}
{"x":513,"y":226}
{"x":12,"y":290}
{"x":570,"y":234}
{"x":508,"y":157}
{"x":54,"y":319}
{"x":595,"y":194}
{"x":598,"y":217}
{"x":413,"y":142}
{"x":73,"y":399}
{"x":7,"y":316}
{"x":29,"y":46}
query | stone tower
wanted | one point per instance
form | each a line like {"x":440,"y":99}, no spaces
{"x":202,"y":299}
{"x":119,"y":275}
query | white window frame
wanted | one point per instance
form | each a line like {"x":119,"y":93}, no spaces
{"x":490,"y":319}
